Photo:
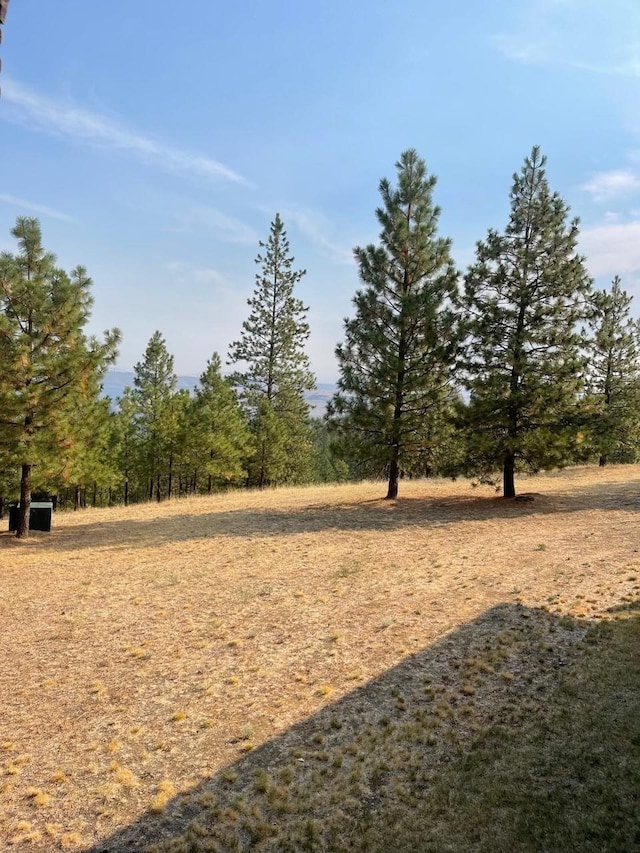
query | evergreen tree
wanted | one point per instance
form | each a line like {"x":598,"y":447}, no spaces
{"x":220,"y":434}
{"x":441,"y":452}
{"x":154,"y":416}
{"x":84,"y":463}
{"x":397,"y":358}
{"x":177,"y":439}
{"x":613,"y":377}
{"x":9,"y":476}
{"x":46,"y":360}
{"x":275,"y":370}
{"x":525,"y":297}
{"x":328,"y":466}
{"x":125,"y":443}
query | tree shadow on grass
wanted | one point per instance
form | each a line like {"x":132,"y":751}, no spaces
{"x":517,"y":732}
{"x":123,"y":533}
{"x":609,"y":495}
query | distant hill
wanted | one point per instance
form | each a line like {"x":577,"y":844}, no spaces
{"x":116,"y":381}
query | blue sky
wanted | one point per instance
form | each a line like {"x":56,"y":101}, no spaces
{"x":156,"y":140}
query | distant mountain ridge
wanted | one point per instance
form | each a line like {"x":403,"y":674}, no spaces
{"x":117,"y":380}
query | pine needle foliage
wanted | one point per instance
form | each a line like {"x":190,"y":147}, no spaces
{"x":154,"y":416}
{"x":525,"y":302}
{"x":49,"y":368}
{"x":274,"y":370}
{"x":397,"y":357}
{"x":613,"y":377}
{"x":219,"y":432}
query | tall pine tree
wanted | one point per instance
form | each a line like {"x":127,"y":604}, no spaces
{"x":525,"y":298}
{"x":274,"y":371}
{"x":613,"y":375}
{"x":154,"y":416}
{"x":397,"y":358}
{"x":46,"y":360}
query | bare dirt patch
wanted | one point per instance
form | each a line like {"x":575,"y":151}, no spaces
{"x":146,"y":650}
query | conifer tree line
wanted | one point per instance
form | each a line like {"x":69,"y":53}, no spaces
{"x":516,"y":365}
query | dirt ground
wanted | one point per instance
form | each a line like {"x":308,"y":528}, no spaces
{"x":146,"y":649}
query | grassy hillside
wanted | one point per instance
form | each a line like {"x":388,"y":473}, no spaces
{"x":318,"y":669}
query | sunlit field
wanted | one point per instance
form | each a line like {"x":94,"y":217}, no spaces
{"x":320,"y":669}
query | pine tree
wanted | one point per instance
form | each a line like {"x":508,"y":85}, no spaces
{"x":220,"y":434}
{"x":275,"y":370}
{"x":84,"y":463}
{"x":153,"y":392}
{"x":525,"y":298}
{"x":45,"y":357}
{"x":177,"y":438}
{"x":126,"y":450}
{"x":613,"y":377}
{"x":397,"y":358}
{"x":328,"y":466}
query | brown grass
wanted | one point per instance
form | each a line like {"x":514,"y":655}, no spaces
{"x":146,"y":650}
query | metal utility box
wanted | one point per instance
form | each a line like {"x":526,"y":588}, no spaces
{"x":39,"y":516}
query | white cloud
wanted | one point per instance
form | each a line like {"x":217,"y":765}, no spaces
{"x":612,"y":249}
{"x":317,"y":228}
{"x":608,"y":185}
{"x":33,"y":207}
{"x":201,"y":217}
{"x":572,"y":33}
{"x":186,"y":274}
{"x":47,"y":115}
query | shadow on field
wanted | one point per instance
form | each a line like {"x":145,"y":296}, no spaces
{"x":608,"y":495}
{"x":518,"y":732}
{"x":348,"y":516}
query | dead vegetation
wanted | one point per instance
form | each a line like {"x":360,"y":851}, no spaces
{"x":251,"y":671}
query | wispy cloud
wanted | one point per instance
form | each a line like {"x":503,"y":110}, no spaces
{"x":605,"y":186}
{"x":48,"y":115}
{"x":186,"y":274}
{"x":587,"y":35}
{"x":201,"y":217}
{"x":318,"y":230}
{"x":612,"y":249}
{"x":33,"y":207}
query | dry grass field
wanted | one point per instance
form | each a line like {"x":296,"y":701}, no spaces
{"x":320,"y":669}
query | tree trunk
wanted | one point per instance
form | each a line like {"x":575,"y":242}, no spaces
{"x":25,"y":502}
{"x":158,"y":486}
{"x":602,"y":461}
{"x":1,"y":507}
{"x":398,"y":409}
{"x":94,"y":496}
{"x":126,"y":492}
{"x":394,"y":471}
{"x":508,"y":475}
{"x":76,"y":498}
{"x":170,"y":483}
